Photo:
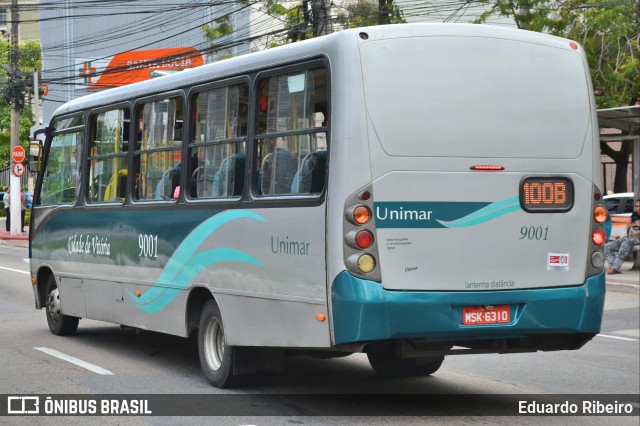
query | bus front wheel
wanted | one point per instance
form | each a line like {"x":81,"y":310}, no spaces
{"x":216,"y":357}
{"x":388,"y":364}
{"x":59,"y":324}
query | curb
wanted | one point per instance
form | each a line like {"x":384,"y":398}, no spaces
{"x":19,"y":237}
{"x":623,"y":287}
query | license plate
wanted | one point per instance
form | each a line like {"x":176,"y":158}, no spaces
{"x":481,"y":315}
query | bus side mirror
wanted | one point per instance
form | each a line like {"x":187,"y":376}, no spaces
{"x":35,"y":156}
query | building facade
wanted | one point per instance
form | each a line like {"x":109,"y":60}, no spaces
{"x":90,"y":48}
{"x":29,"y":16}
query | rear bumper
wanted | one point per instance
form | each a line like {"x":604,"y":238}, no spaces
{"x":364,"y":311}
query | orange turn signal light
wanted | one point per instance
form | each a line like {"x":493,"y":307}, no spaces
{"x":600,"y":214}
{"x":138,"y":293}
{"x":361,"y":215}
{"x":321,"y":317}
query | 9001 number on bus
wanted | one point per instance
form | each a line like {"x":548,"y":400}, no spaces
{"x":148,"y":245}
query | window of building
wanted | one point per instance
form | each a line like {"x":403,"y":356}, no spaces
{"x":291,"y":146}
{"x":217,"y":151}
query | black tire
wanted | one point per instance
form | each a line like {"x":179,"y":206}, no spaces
{"x":388,"y":364}
{"x":427,"y":366}
{"x":216,"y":357}
{"x":59,"y":324}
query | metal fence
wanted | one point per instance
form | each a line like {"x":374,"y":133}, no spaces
{"x":608,"y":175}
{"x":5,"y":176}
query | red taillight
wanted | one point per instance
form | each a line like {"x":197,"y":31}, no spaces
{"x":364,"y":239}
{"x":599,"y":237}
{"x":487,"y":168}
{"x":573,"y":45}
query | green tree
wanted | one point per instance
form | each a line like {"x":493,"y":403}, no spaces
{"x":609,"y":31}
{"x":365,"y":13}
{"x":306,"y":19}
{"x":217,"y":30}
{"x":29,"y":59}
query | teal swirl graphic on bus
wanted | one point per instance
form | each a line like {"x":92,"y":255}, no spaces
{"x":485,"y":214}
{"x":185,"y":264}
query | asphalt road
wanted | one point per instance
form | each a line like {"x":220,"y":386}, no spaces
{"x":127,"y":362}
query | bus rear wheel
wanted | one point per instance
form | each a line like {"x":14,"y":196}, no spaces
{"x":216,"y":357}
{"x":59,"y":324}
{"x":388,"y":364}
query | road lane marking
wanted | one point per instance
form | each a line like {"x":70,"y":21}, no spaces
{"x":617,"y":337}
{"x":15,"y":270}
{"x":76,"y":361}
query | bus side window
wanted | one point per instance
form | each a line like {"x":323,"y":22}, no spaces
{"x":108,"y":160}
{"x":220,"y":122}
{"x":158,"y":154}
{"x":291,"y":141}
{"x":63,"y":173}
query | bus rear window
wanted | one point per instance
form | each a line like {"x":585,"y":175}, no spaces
{"x":476,"y":97}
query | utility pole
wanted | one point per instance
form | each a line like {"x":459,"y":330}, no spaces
{"x":322,"y":22}
{"x":14,"y":181}
{"x":384,"y":11}
{"x":36,"y":114}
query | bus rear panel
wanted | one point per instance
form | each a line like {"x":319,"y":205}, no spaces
{"x":480,"y":221}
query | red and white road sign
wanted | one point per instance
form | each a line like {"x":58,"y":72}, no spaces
{"x":18,"y":169}
{"x":18,"y":154}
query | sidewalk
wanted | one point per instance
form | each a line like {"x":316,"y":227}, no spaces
{"x":21,"y":239}
{"x":626,"y":278}
{"x":4,"y":235}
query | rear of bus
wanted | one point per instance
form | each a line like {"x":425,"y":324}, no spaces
{"x":479,"y":224}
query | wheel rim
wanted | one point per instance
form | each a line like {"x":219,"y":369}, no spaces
{"x":214,"y":343}
{"x":53,"y":305}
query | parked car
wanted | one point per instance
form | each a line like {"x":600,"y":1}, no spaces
{"x":620,"y":207}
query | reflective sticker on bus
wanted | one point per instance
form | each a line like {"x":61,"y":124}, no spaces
{"x":185,"y":264}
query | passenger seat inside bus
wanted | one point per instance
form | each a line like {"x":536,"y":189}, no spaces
{"x":229,"y":180}
{"x":276,"y":173}
{"x":309,"y":179}
{"x":109,"y":194}
{"x":167,"y":184}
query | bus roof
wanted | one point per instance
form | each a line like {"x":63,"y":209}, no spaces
{"x":324,"y":45}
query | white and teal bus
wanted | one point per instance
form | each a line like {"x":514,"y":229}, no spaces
{"x":407,"y":191}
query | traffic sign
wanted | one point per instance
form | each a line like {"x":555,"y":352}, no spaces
{"x":18,"y":154}
{"x":18,"y":169}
